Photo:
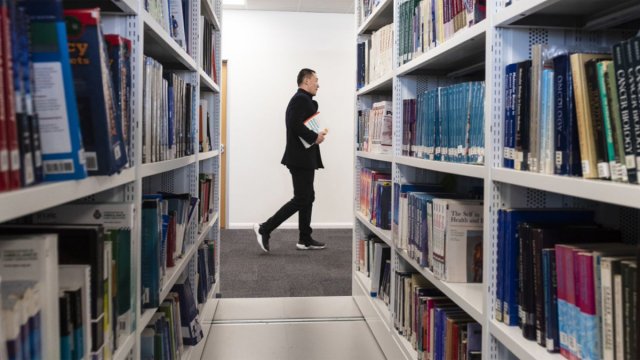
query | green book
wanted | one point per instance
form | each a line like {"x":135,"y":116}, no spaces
{"x":613,"y":154}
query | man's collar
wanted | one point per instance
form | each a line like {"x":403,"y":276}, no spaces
{"x":305,"y":91}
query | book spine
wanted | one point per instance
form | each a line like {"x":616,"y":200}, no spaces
{"x":624,"y":101}
{"x":616,"y":124}
{"x":583,"y":115}
{"x":633,"y":88}
{"x":597,"y":120}
{"x":612,"y":158}
{"x":11,"y":125}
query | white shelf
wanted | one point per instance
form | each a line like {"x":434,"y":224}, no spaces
{"x":205,"y":231}
{"x":164,"y":166}
{"x":404,"y":345}
{"x":174,"y":273}
{"x":162,"y":47}
{"x":470,"y":170}
{"x":384,"y":235}
{"x":448,"y":55}
{"x":206,"y":7}
{"x":379,"y":17}
{"x":382,"y":84}
{"x":208,"y":155}
{"x":206,"y":82}
{"x":468,"y":296}
{"x":124,"y":349}
{"x":380,"y":307}
{"x":598,"y":190}
{"x":30,"y":200}
{"x":511,"y":337}
{"x":373,"y":156}
{"x":145,"y":318}
{"x":593,"y":14}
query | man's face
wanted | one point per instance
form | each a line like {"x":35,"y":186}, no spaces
{"x":311,"y":83}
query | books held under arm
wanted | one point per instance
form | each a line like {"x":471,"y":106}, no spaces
{"x":313,"y":124}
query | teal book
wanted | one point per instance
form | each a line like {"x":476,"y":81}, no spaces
{"x":54,"y":94}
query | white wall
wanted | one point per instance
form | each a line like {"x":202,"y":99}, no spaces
{"x":265,"y":50}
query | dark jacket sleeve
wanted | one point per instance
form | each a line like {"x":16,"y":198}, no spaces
{"x":296,"y":121}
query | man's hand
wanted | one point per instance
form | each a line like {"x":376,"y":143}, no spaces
{"x":320,"y":137}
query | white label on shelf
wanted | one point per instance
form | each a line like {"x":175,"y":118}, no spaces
{"x":50,"y":101}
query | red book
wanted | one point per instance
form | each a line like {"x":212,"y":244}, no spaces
{"x":171,"y":240}
{"x":11,"y":126}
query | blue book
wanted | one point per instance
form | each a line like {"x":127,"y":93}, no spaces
{"x":509,"y":277}
{"x":101,"y":133}
{"x":119,"y":51}
{"x":500,"y":268}
{"x":54,"y":96}
{"x":550,"y":287}
{"x":66,"y":333}
{"x":150,"y":266}
{"x":567,"y":146}
{"x":147,"y":350}
{"x":191,"y":328}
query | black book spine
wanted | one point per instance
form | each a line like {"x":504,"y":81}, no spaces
{"x":523,"y":77}
{"x":600,"y":140}
{"x":628,"y":133}
{"x":633,"y":90}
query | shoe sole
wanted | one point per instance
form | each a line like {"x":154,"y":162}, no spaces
{"x":304,"y":247}
{"x":256,"y":229}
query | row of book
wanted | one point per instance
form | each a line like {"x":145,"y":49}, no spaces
{"x":206,"y":191}
{"x":442,"y":231}
{"x":434,"y":325}
{"x":63,"y":257}
{"x":375,"y":197}
{"x":446,"y":124}
{"x":65,"y":110}
{"x":375,"y":128}
{"x":165,"y":223}
{"x":567,"y":282}
{"x":175,"y":18}
{"x":374,"y":56}
{"x":425,"y":24}
{"x":167,"y":124}
{"x":174,"y":325}
{"x":574,"y":113}
{"x":208,"y":58}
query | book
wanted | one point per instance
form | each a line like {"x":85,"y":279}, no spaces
{"x":312,"y":123}
{"x":457,"y":235}
{"x":37,"y":258}
{"x":625,"y":104}
{"x":381,"y":253}
{"x":76,"y":281}
{"x":119,"y":52}
{"x":611,"y":120}
{"x":589,"y":115}
{"x":191,"y":328}
{"x":101,"y":130}
{"x":54,"y":93}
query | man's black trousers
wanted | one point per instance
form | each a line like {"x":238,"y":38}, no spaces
{"x":302,"y":202}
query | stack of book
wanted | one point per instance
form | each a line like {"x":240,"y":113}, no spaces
{"x":174,"y":17}
{"x":366,"y":8}
{"x":435,"y":326}
{"x":69,"y":84}
{"x":208,"y":58}
{"x":167,"y":119}
{"x":206,"y":270}
{"x":204,"y":134}
{"x":425,"y":24}
{"x":375,"y":128}
{"x":375,"y":55}
{"x":165,"y":222}
{"x":446,"y":124}
{"x":574,"y":113}
{"x":375,"y":197}
{"x":206,"y":191}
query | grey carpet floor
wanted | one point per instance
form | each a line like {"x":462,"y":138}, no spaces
{"x":248,"y":272}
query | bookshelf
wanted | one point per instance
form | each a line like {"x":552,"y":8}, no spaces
{"x":129,"y":19}
{"x":481,"y":52}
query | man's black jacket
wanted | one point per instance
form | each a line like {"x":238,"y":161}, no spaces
{"x":300,"y":108}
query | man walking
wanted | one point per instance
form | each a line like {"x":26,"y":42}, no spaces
{"x":302,"y":163}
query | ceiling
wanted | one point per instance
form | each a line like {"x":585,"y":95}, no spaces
{"x":318,"y":6}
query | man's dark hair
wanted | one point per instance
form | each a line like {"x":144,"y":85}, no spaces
{"x":303,"y":74}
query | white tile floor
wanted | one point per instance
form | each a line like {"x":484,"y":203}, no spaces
{"x":313,"y":328}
